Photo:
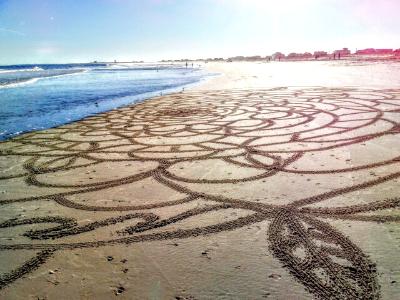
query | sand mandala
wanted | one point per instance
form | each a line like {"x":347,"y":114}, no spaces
{"x":192,"y":145}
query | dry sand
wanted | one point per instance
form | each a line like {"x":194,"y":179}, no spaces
{"x":344,"y":73}
{"x":277,"y":181}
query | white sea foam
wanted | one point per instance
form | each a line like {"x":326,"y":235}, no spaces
{"x":35,"y":69}
{"x":27,"y":81}
{"x":20,"y":83}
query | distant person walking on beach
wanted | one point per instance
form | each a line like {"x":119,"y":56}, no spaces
{"x":186,"y":64}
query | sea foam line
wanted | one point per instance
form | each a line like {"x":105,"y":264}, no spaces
{"x":20,"y":83}
{"x":35,"y":69}
{"x":33,"y":80}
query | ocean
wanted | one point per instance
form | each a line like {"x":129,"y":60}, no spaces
{"x":34,"y":97}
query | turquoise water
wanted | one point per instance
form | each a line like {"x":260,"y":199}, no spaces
{"x":34,"y":97}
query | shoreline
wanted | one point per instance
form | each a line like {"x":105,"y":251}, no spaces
{"x":223,"y":75}
{"x":136,"y":98}
{"x":303,"y":73}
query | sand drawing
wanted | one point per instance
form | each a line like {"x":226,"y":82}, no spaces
{"x":254,"y":136}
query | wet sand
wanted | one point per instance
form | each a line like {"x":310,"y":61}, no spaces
{"x":244,"y":187}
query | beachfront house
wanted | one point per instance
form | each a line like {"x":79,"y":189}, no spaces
{"x":278,"y":56}
{"x":373,"y":51}
{"x":343,"y":52}
{"x":318,"y":54}
{"x":305,"y":55}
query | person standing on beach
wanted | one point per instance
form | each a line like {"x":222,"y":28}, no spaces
{"x":186,"y":64}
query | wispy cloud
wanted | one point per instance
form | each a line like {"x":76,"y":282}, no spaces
{"x":12,"y":31}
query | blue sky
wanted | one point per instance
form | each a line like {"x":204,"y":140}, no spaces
{"x":51,"y":31}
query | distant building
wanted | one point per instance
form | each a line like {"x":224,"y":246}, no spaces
{"x":396,"y":52}
{"x":367,"y":51}
{"x":253,"y":58}
{"x":343,"y":52}
{"x":236,"y":58}
{"x":246,"y":58}
{"x":305,"y":55}
{"x":372,"y":51}
{"x":278,"y":56}
{"x":293,"y":55}
{"x":318,"y":54}
{"x":384,"y":51}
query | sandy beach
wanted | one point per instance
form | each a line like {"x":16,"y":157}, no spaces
{"x":269,"y":181}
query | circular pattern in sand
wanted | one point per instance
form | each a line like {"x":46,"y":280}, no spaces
{"x":244,"y":150}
